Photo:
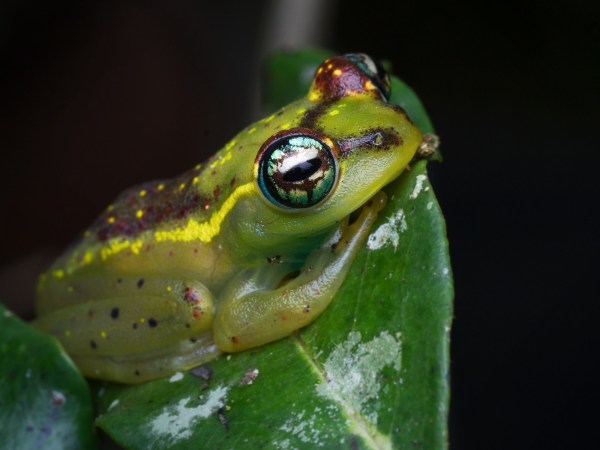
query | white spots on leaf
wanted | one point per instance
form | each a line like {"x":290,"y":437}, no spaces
{"x":282,"y":445}
{"x":58,"y":398}
{"x":429,"y":206}
{"x":352,"y":371}
{"x":176,"y":422}
{"x":304,"y":429}
{"x":389,"y":232}
{"x":177,"y":376}
{"x":445,"y":271}
{"x":418,"y":186}
{"x":314,"y":428}
{"x":113,"y":404}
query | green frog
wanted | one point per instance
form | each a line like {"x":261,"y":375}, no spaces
{"x":241,"y":250}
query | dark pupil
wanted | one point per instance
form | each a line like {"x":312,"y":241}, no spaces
{"x":303,"y":170}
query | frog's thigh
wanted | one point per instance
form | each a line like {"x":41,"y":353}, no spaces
{"x":149,"y":333}
{"x":128,"y":323}
{"x":263,"y":316}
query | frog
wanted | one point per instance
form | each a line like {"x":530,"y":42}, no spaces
{"x":242,"y":250}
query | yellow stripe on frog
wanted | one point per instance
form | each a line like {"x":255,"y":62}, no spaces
{"x":205,"y":231}
{"x":192,"y":230}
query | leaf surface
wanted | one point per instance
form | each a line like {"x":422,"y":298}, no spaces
{"x":44,"y":401}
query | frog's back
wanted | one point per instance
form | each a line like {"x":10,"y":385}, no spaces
{"x":170,"y":225}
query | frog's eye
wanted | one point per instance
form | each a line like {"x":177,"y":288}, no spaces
{"x":374,"y":70}
{"x":296,"y":168}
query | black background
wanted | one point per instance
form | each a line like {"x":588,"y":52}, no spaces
{"x":96,"y":97}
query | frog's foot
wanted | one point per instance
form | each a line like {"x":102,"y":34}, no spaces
{"x":428,"y":147}
{"x":250,"y":316}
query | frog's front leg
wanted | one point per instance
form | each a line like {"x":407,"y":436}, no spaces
{"x":256,"y":317}
{"x":136,"y":329}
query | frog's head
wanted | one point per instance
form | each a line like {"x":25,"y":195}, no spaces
{"x":347,"y":145}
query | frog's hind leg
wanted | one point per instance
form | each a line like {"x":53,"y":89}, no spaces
{"x":248,"y":318}
{"x":148,"y":335}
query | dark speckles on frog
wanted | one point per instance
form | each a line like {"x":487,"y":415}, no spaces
{"x":152,"y":322}
{"x":114,"y":313}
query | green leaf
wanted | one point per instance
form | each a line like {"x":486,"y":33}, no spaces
{"x":370,"y":372}
{"x":44,"y":401}
{"x":288,"y":76}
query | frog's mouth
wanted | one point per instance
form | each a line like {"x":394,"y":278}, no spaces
{"x":376,"y":138}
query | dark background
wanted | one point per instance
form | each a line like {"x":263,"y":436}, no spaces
{"x":96,"y":97}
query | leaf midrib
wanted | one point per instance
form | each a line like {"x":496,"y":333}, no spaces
{"x":356,"y":422}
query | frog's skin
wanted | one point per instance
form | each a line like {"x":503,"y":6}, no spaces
{"x":223,"y":258}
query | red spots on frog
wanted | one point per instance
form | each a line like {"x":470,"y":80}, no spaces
{"x":195,"y":251}
{"x":122,"y":224}
{"x":234,"y":340}
{"x":191,"y":295}
{"x":206,"y":204}
{"x":148,"y":247}
{"x":183,"y":213}
{"x":171,"y":252}
{"x":217,"y":192}
{"x":233,"y":181}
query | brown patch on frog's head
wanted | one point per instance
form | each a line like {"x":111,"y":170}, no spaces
{"x":350,"y":74}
